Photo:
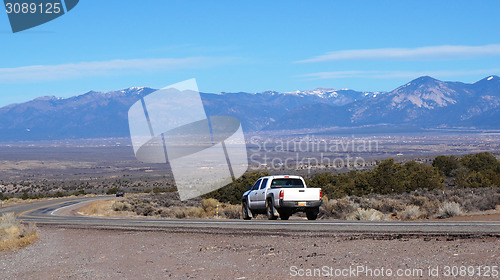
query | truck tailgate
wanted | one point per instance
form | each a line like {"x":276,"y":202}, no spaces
{"x":301,"y":194}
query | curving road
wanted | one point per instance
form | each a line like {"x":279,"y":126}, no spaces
{"x":49,"y":213}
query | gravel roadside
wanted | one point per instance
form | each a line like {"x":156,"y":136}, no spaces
{"x":63,"y":253}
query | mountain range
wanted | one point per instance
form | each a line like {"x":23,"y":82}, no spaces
{"x":424,"y":103}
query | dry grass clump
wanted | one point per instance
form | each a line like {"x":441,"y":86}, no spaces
{"x":210,"y":208}
{"x":14,"y":235}
{"x":209,"y":205}
{"x":366,"y":215}
{"x":190,"y":213}
{"x":450,"y":209}
{"x":411,"y":212}
{"x":427,"y":205}
{"x":121,"y":206}
{"x":15,"y":200}
{"x":106,"y":208}
{"x":97,"y":208}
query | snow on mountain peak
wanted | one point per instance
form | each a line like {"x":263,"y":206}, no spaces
{"x":426,"y":95}
{"x":490,"y":78}
{"x":138,"y":90}
{"x":320,"y":92}
{"x":46,"y":98}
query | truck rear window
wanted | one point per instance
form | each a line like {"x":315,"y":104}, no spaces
{"x":287,"y":183}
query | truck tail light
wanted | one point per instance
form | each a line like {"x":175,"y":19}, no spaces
{"x":320,"y":193}
{"x":282,"y":194}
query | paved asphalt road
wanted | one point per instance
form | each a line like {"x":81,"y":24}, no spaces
{"x":47,"y":213}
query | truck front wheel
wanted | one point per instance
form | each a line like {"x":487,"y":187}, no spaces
{"x":245,"y":212}
{"x":270,"y":210}
{"x":312,"y":213}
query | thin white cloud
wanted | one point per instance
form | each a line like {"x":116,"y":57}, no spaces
{"x":433,"y":52}
{"x":37,"y":73}
{"x":395,"y":74}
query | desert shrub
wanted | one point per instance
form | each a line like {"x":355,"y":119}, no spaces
{"x":480,"y":162}
{"x":164,"y":212}
{"x":450,"y":209}
{"x":474,"y":202}
{"x":326,"y":208}
{"x":189,"y":212}
{"x":454,"y":198}
{"x":207,"y":209}
{"x":388,"y":177}
{"x":59,"y":194}
{"x":431,"y":207}
{"x":414,"y":175}
{"x":157,"y":190}
{"x":209,"y":205}
{"x":121,"y":206}
{"x":338,"y":208}
{"x":145,"y":210}
{"x":411,"y":212}
{"x":79,"y":192}
{"x":382,"y":203}
{"x":24,"y":196}
{"x":232,"y":211}
{"x":4,"y":196}
{"x":418,"y":200}
{"x":471,"y":199}
{"x":38,"y":196}
{"x":180,"y":214}
{"x":384,"y":178}
{"x":465,"y":178}
{"x":493,"y":177}
{"x":335,"y":186}
{"x":366,"y":215}
{"x":446,"y":164}
{"x":168,"y":199}
{"x":112,"y":190}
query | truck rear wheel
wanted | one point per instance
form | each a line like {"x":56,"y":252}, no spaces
{"x":270,"y":210}
{"x":245,"y":212}
{"x":312,"y":213}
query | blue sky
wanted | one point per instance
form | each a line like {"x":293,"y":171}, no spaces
{"x":249,"y":46}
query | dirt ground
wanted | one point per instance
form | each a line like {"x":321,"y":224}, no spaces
{"x":111,"y":254}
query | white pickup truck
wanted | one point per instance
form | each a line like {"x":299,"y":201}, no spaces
{"x":285,"y":194}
